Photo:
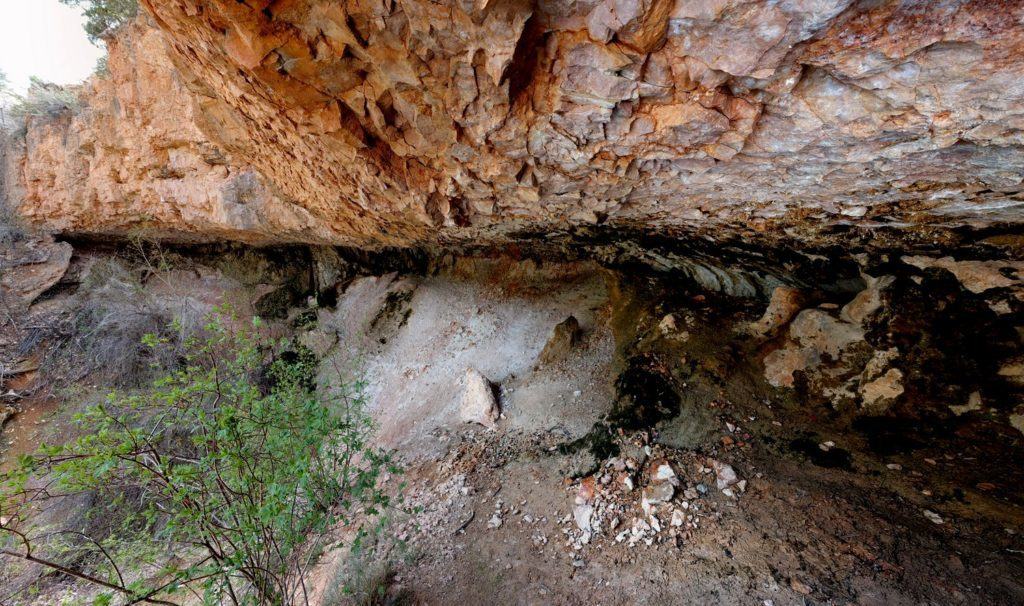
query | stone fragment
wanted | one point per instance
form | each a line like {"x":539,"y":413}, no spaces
{"x":1013,"y":371}
{"x":784,"y":304}
{"x":780,"y":364}
{"x":1017,"y":421}
{"x":867,"y":301}
{"x":656,"y":494}
{"x":582,"y":515}
{"x":725,"y":475}
{"x":820,"y":331}
{"x":932,"y":516}
{"x":478,"y":403}
{"x":660,"y":471}
{"x":668,"y":324}
{"x":878,"y":363}
{"x":586,"y":491}
{"x":564,"y":337}
{"x":973,"y":404}
{"x":885,"y":388}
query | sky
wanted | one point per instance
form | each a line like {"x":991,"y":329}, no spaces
{"x":44,"y":38}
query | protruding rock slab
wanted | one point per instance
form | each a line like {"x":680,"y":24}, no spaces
{"x":31,"y":267}
{"x":402,"y":123}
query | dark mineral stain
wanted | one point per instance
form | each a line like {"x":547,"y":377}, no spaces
{"x":393,"y":303}
{"x":888,"y":435}
{"x":599,"y":441}
{"x":646,"y":396}
{"x":833,"y":458}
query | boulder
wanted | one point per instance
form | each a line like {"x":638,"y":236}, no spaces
{"x":825,"y":334}
{"x":477,"y":403}
{"x":780,"y":364}
{"x":883,"y":389}
{"x":31,"y":267}
{"x":564,"y":337}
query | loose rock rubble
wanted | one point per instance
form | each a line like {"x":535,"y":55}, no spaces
{"x":672,"y":502}
{"x":829,"y":348}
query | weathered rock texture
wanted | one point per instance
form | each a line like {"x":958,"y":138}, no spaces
{"x":416,"y":121}
{"x":133,"y":159}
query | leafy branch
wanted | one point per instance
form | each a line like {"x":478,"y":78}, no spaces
{"x":238,"y":462}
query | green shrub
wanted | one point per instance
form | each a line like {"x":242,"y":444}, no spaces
{"x":241,"y":470}
{"x":44,"y":99}
{"x":102,"y":336}
{"x":102,"y":17}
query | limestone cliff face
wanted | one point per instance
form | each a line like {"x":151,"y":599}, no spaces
{"x":416,"y":121}
{"x":134,"y":160}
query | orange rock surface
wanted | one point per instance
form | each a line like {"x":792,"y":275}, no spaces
{"x":412,"y":121}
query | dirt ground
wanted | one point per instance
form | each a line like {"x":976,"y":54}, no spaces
{"x":799,"y":534}
{"x":823,"y":512}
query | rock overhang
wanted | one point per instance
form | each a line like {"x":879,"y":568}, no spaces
{"x":461,"y":124}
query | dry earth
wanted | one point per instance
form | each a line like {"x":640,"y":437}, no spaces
{"x":827,"y":506}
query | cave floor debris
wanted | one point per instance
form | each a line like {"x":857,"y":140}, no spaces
{"x":685,"y":478}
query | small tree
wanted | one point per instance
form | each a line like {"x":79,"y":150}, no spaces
{"x":104,"y":16}
{"x":238,"y":465}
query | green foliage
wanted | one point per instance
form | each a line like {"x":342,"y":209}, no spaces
{"x":104,"y":16}
{"x":233,"y":458}
{"x":102,"y":68}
